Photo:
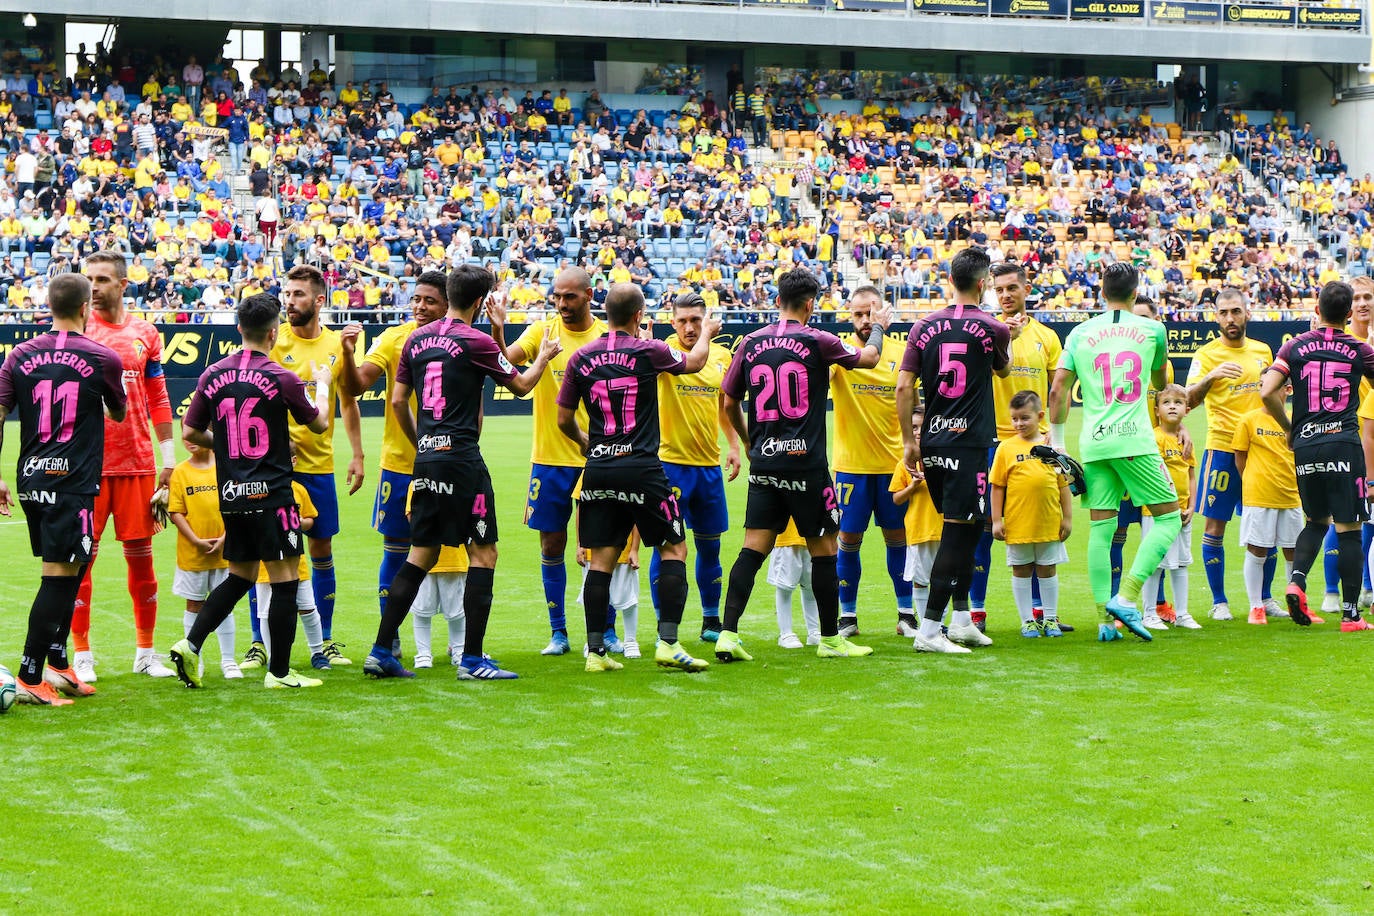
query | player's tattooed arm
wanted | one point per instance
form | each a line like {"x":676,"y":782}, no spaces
{"x":6,"y":498}
{"x":567,"y":425}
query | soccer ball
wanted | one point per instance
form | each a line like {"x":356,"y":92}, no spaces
{"x":7,"y":689}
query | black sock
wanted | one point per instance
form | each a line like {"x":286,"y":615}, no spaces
{"x":45,"y":622}
{"x":399,"y":598}
{"x":281,"y":624}
{"x":741,"y":586}
{"x":950,"y":571}
{"x":66,"y":600}
{"x":477,"y":608}
{"x":219,"y":604}
{"x":596,"y":597}
{"x":825,"y":588}
{"x":1309,"y":547}
{"x":672,"y":598}
{"x":1350,"y":562}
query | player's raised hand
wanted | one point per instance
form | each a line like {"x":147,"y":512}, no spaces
{"x":646,"y":330}
{"x":6,"y":499}
{"x":550,"y":346}
{"x":349,"y":337}
{"x":496,"y":310}
{"x":320,"y":375}
{"x":1016,"y":324}
{"x":882,"y":315}
{"x":712,"y":327}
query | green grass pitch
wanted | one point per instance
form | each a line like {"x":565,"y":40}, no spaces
{"x":1215,"y":771}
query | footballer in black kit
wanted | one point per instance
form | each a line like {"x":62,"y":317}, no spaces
{"x":240,"y":410}
{"x":783,"y":371}
{"x":446,"y":364}
{"x":623,"y":483}
{"x":1325,"y":366}
{"x":62,"y":384}
{"x":952,"y":355}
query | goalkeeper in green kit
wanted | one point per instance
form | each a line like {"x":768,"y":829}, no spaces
{"x":1118,"y":356}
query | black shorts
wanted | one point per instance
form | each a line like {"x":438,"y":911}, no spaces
{"x":1331,"y":482}
{"x":614,"y":500}
{"x":807,"y":499}
{"x":452,"y":505}
{"x":957,"y":480}
{"x":59,"y":525}
{"x":265,"y":534}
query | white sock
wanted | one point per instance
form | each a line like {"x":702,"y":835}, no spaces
{"x":920,"y":599}
{"x":782,"y":600}
{"x":1288,"y":566}
{"x":811,"y":615}
{"x":930,"y":629}
{"x":1253,"y":570}
{"x":1151,"y":589}
{"x":457,"y":631}
{"x":226,"y":633}
{"x":188,"y":620}
{"x":630,"y":622}
{"x":1049,"y":596}
{"x":314,"y":631}
{"x":961,"y":619}
{"x":1178,"y":585}
{"x":423,"y":625}
{"x":1021,"y":592}
{"x":267,"y":639}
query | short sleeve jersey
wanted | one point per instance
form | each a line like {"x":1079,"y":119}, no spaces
{"x":923,"y":523}
{"x":867,"y":437}
{"x":1229,"y":399}
{"x":129,"y":445}
{"x":314,"y":454}
{"x":1177,"y":464}
{"x":247,"y":400}
{"x":1114,"y":355}
{"x":60,"y":383}
{"x":784,"y":371}
{"x":194,"y":493}
{"x":954,"y":353}
{"x":1034,"y":357}
{"x":1270,"y":480}
{"x":617,"y":378}
{"x":689,"y":410}
{"x":1031,"y":509}
{"x":549,"y":445}
{"x":398,"y":453}
{"x":447,"y":363}
{"x":1325,"y":366}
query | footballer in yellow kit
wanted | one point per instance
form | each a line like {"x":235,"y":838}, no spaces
{"x":867,"y":443}
{"x":555,"y":462}
{"x":691,"y":418}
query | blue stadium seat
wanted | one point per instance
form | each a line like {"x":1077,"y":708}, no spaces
{"x":680,"y":249}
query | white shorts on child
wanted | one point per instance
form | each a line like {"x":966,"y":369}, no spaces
{"x":1270,"y":527}
{"x":789,"y":567}
{"x":1180,"y":555}
{"x":1048,"y":553}
{"x":196,"y":585}
{"x":305,"y":597}
{"x":441,"y":592}
{"x":919,"y":560}
{"x":624,"y":586}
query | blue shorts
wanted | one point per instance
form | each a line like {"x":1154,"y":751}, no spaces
{"x":1218,"y":486}
{"x":700,"y":493}
{"x":324,"y":493}
{"x":1128,"y":513}
{"x":389,"y":510}
{"x":550,"y":504}
{"x":864,"y":497}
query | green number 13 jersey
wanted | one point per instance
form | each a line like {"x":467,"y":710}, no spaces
{"x":1113,"y":356}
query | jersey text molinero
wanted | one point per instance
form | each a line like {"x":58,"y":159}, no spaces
{"x":58,"y":382}
{"x":446,"y":364}
{"x":245,"y":399}
{"x":1325,"y":367}
{"x":618,"y":378}
{"x":954,"y":352}
{"x":785,"y":371}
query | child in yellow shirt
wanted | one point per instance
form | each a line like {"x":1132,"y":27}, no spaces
{"x":1032,"y":511}
{"x":923,"y":526}
{"x":789,"y":569}
{"x":193,"y":504}
{"x":1171,"y":406}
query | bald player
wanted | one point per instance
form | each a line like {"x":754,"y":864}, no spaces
{"x":556,"y":462}
{"x":1225,"y":375}
{"x":868,"y":445}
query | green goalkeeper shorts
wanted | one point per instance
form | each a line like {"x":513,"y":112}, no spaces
{"x":1143,"y":476}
